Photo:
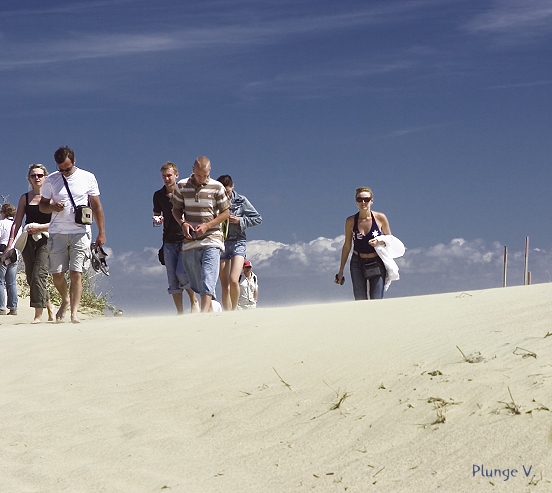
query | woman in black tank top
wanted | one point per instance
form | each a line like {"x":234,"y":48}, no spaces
{"x":35,"y":253}
{"x":361,"y":234}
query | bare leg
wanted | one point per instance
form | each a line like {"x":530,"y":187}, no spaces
{"x":177,"y":298}
{"x":75,"y":293}
{"x":224,"y":276}
{"x":38,"y":315}
{"x":194,"y":304}
{"x":61,"y":285}
{"x":39,"y":312}
{"x":50,"y":309}
{"x":206,"y":303}
{"x":235,"y":271}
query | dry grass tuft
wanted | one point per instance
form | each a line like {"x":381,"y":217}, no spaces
{"x":440,"y":406}
{"x":340,"y":401}
{"x":281,"y":379}
{"x":512,"y":406}
{"x":91,"y":302}
{"x":472,"y":358}
{"x":524,"y":353}
{"x":440,"y":410}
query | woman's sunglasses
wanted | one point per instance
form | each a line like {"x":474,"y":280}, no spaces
{"x":363,"y":199}
{"x":37,"y":175}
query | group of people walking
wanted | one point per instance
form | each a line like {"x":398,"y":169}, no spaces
{"x":56,"y":238}
{"x":204,"y":222}
{"x":204,"y":240}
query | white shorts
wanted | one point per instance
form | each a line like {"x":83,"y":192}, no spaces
{"x":69,"y":252}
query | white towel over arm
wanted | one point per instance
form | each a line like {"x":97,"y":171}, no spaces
{"x":392,"y":249}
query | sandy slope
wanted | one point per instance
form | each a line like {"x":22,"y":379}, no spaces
{"x":325,"y":398}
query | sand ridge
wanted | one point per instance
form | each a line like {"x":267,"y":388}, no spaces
{"x":337,"y":397}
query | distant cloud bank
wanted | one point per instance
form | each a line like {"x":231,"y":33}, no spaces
{"x":323,"y":254}
{"x":291,"y":273}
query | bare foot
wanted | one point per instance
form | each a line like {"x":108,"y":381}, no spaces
{"x":195,"y":307}
{"x":75,"y":320}
{"x":37,"y":315}
{"x":50,"y":309}
{"x":60,"y":315}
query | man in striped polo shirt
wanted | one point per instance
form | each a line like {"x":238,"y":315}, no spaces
{"x":200,"y":205}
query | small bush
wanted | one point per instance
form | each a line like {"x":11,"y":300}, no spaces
{"x":91,"y":302}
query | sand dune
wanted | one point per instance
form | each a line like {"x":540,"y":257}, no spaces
{"x":355,"y":397}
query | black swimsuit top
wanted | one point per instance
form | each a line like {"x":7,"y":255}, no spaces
{"x":360,"y":240}
{"x":33,"y":214}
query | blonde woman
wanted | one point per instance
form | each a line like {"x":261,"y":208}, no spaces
{"x":35,"y":252}
{"x":368,"y":273}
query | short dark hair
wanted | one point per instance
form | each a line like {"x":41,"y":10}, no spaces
{"x":226,"y":180}
{"x":63,"y":153}
{"x":169,"y":165}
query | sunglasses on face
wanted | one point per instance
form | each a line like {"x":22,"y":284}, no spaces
{"x":363,"y":199}
{"x":37,"y":175}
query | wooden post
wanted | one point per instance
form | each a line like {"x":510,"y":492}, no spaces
{"x":505,"y":266}
{"x":525,"y":269}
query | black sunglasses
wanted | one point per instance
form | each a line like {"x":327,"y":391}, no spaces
{"x":363,"y":199}
{"x":36,"y":175}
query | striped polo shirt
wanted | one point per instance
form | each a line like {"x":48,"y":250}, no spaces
{"x":201,"y":204}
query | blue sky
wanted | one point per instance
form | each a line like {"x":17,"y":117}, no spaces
{"x":444,"y":108}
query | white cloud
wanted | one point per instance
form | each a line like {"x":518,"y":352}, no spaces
{"x":314,"y":82}
{"x":322,"y":255}
{"x":303,"y":272}
{"x":68,"y":8}
{"x":522,"y":84}
{"x":139,"y":265}
{"x":520,"y":19}
{"x":223,"y":32}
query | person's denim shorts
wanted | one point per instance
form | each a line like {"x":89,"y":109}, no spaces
{"x":69,"y":252}
{"x":176,"y":274}
{"x":233,"y":248}
{"x":202,"y":266}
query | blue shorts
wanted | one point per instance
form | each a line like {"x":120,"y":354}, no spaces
{"x":202,"y":266}
{"x":176,"y":274}
{"x":233,"y":248}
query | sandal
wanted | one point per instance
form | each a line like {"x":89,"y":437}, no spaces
{"x":98,"y":259}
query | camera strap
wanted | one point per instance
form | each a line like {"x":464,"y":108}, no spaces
{"x":70,"y":195}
